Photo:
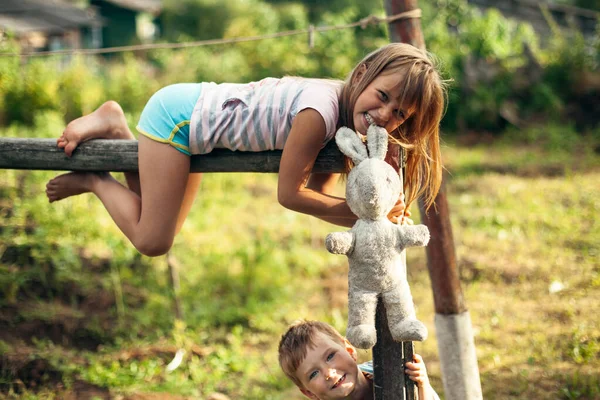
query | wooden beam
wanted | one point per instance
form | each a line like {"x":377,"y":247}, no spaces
{"x":121,"y":156}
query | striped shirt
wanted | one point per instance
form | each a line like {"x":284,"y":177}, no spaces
{"x":258,"y":116}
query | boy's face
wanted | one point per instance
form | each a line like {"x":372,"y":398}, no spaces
{"x":329,"y":370}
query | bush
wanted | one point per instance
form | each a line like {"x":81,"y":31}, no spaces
{"x":33,"y":89}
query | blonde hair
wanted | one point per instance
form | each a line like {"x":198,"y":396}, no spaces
{"x":423,"y":91}
{"x":296,"y":341}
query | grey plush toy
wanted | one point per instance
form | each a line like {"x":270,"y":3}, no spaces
{"x":374,"y":244}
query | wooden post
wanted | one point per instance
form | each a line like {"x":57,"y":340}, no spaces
{"x":173,"y":267}
{"x":405,"y":30}
{"x":389,"y":357}
{"x":453,"y":324}
{"x":440,"y":251}
{"x":441,"y":258}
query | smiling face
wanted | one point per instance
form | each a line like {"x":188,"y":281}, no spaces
{"x":380,"y":104}
{"x":329,"y":370}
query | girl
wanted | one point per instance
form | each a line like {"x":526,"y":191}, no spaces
{"x":396,"y":87}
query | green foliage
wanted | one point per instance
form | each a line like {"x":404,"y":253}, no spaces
{"x":500,"y":72}
{"x":581,"y":386}
{"x":180,"y":19}
{"x":80,"y":92}
{"x":588,"y":4}
{"x":551,"y":137}
{"x":32,"y":88}
{"x":129,"y":83}
{"x":583,"y":347}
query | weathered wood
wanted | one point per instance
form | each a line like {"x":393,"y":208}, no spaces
{"x":390,"y":385}
{"x":445,"y":281}
{"x":121,"y":156}
{"x":404,"y":30}
{"x":173,"y":266}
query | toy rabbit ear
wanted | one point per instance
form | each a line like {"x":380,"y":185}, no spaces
{"x":377,"y":142}
{"x":351,"y":145}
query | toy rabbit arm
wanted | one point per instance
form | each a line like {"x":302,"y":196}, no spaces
{"x":412,"y":236}
{"x":340,"y":242}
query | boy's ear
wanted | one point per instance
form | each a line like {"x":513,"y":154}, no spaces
{"x":309,"y":394}
{"x":350,"y":349}
{"x":360,"y":72}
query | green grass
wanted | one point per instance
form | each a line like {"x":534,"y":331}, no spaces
{"x":525,"y":224}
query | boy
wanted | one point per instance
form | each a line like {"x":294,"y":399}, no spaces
{"x":322,"y":363}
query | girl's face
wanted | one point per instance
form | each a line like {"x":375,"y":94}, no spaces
{"x":379,"y":104}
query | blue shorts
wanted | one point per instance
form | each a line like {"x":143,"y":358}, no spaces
{"x":166,"y":116}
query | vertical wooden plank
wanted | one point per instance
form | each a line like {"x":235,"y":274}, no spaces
{"x":389,"y":357}
{"x":408,"y":350}
{"x":445,"y":282}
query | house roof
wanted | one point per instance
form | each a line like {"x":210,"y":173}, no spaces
{"x":50,"y":16}
{"x":151,"y":6}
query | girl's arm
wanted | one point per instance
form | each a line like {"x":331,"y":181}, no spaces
{"x":295,"y":191}
{"x":327,"y":184}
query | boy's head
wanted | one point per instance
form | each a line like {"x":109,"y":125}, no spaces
{"x":320,"y":361}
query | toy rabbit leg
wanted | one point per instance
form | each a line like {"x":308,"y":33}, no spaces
{"x":361,"y":317}
{"x":402,"y":321}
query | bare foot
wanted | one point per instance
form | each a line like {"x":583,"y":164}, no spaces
{"x":71,"y":184}
{"x":107,"y":122}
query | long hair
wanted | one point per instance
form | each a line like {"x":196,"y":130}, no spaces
{"x":423,"y":91}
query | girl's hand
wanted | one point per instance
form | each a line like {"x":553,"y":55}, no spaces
{"x":399,"y":214}
{"x":417,"y":372}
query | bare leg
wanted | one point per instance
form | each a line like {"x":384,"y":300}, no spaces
{"x":169,"y":189}
{"x":191,"y":190}
{"x":72,"y":184}
{"x":75,"y":183}
{"x":106,"y":122}
{"x":150,"y":224}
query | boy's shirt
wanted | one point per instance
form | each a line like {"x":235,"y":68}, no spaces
{"x":367,"y":369}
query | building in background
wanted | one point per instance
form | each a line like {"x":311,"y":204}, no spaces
{"x":127,"y":21}
{"x":42,"y":25}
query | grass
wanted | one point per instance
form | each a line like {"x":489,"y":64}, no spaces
{"x":527,"y":239}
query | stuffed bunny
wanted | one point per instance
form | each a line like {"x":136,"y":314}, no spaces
{"x":374,"y":244}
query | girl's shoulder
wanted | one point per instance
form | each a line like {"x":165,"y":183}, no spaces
{"x":323,"y":83}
